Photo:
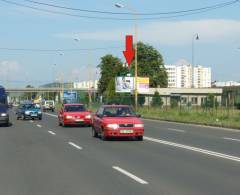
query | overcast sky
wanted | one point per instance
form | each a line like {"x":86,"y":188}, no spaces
{"x":219,"y":32}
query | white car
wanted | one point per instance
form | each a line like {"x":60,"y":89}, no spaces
{"x":48,"y":105}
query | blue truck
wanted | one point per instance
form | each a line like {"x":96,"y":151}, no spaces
{"x":3,"y":96}
{"x":4,"y":117}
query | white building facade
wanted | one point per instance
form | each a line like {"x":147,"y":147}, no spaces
{"x":86,"y":85}
{"x":182,"y":76}
{"x":225,"y":84}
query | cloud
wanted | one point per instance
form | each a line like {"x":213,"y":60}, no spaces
{"x":9,"y":68}
{"x":169,"y":32}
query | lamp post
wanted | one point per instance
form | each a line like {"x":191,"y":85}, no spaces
{"x":89,"y":74}
{"x":118,"y":5}
{"x":62,"y":80}
{"x":194,"y":38}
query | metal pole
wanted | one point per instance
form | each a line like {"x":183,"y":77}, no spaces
{"x":118,"y":5}
{"x":192,"y":67}
{"x":90,"y":78}
{"x":195,"y":37}
{"x":136,"y":67}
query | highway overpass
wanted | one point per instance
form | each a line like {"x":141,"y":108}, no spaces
{"x":42,"y":90}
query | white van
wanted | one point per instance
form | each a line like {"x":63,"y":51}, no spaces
{"x":48,"y":105}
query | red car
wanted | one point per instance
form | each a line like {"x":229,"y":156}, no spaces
{"x":74,"y":114}
{"x":117,"y":121}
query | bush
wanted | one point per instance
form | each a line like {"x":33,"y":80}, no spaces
{"x":210,"y":102}
{"x":156,"y":100}
{"x":174,"y":103}
{"x":237,"y":104}
{"x":141,"y":100}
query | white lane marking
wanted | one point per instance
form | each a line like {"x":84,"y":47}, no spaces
{"x":31,"y":121}
{"x":51,"y":132}
{"x":139,"y":180}
{"x":232,"y":139}
{"x":177,"y":130}
{"x":194,"y":125}
{"x":40,"y":126}
{"x":75,"y":145}
{"x":195,"y":149}
{"x":53,"y":115}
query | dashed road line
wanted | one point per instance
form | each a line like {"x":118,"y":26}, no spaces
{"x":134,"y":177}
{"x":176,"y":130}
{"x":53,"y":115}
{"x":51,"y":132}
{"x":40,"y":126}
{"x":75,"y":145}
{"x":232,"y":139}
{"x":195,"y":149}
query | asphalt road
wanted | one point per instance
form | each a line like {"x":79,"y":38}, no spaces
{"x":39,"y":157}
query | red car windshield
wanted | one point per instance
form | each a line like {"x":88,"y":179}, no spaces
{"x":75,"y":108}
{"x":118,"y":112}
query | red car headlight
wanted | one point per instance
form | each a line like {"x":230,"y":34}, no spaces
{"x":88,"y":116}
{"x":139,"y":125}
{"x":69,"y":117}
{"x":112,"y":126}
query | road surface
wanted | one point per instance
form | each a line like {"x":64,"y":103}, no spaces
{"x":39,"y":157}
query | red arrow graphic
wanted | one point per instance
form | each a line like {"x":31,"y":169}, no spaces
{"x":129,"y":52}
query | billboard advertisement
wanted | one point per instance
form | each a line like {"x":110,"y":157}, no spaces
{"x":127,"y":84}
{"x":70,"y":95}
{"x":143,"y":84}
{"x":124,"y":84}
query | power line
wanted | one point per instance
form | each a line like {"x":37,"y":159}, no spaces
{"x":140,"y":14}
{"x":57,"y":50}
{"x":114,"y":18}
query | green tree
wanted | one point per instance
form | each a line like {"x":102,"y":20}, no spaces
{"x":210,"y":102}
{"x":151,"y":64}
{"x":110,"y":67}
{"x":156,"y":100}
{"x":110,"y":91}
{"x":141,"y":100}
{"x":174,"y":102}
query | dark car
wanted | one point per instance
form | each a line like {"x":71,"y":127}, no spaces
{"x":29,"y":111}
{"x":4,"y":117}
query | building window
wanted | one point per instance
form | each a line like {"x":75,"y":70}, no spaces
{"x":194,"y":100}
{"x":184,"y":100}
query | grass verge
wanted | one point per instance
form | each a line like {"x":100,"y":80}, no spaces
{"x":212,"y":117}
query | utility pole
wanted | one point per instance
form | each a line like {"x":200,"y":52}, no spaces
{"x":194,"y":38}
{"x":118,"y":5}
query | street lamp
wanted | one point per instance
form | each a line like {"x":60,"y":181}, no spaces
{"x":61,"y":74}
{"x":194,"y":38}
{"x":90,"y":74}
{"x":118,"y":5}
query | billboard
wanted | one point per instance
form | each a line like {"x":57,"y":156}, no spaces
{"x":143,"y":84}
{"x":70,"y":95}
{"x":124,"y":84}
{"x":127,"y":84}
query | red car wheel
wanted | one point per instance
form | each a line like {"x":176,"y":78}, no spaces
{"x":103,"y":137}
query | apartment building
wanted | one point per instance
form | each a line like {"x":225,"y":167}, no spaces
{"x":181,"y":76}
